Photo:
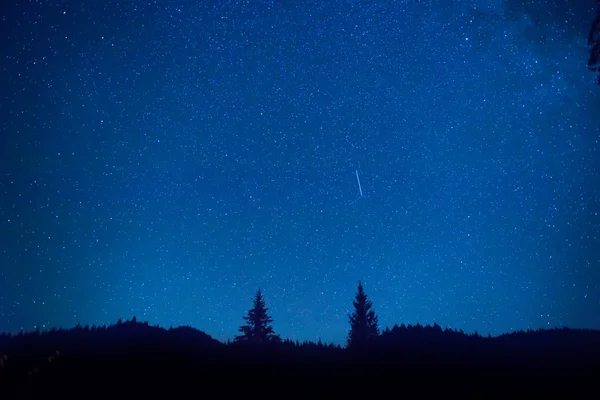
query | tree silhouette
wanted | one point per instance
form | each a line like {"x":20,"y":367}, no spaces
{"x":258,"y":327}
{"x":363,"y":321}
{"x":594,"y":40}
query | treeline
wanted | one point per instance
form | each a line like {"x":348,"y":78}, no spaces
{"x":257,"y":333}
{"x":258,"y":327}
{"x":137,"y":358}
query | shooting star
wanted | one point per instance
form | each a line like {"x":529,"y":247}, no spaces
{"x":359,"y":187}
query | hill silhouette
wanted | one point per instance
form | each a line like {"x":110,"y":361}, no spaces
{"x":132,"y":358}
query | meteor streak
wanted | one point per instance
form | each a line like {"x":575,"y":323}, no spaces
{"x":359,"y":187}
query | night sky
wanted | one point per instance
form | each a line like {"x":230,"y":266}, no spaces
{"x":165,"y":159}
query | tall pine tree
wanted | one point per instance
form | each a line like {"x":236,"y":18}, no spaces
{"x":258,"y":327}
{"x":363,"y":321}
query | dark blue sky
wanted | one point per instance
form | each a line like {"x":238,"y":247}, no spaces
{"x":165,"y":159}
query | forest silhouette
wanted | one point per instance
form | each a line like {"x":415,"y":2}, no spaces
{"x":135,"y":360}
{"x":132,"y":358}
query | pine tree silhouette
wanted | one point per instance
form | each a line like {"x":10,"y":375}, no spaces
{"x":363,"y":321}
{"x":258,"y":327}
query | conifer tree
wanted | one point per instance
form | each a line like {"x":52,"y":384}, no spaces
{"x":363,"y":321}
{"x":258,"y":327}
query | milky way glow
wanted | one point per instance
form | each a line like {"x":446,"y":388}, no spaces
{"x":165,"y":159}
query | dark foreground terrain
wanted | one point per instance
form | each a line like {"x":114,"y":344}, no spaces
{"x":135,"y":360}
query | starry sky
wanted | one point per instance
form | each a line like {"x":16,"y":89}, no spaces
{"x":166,"y":158}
